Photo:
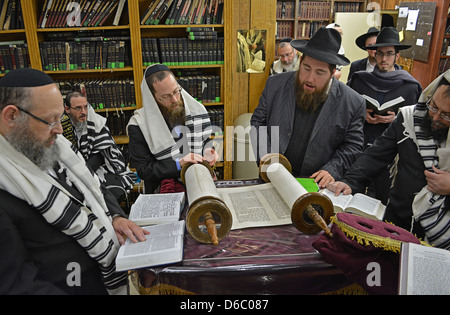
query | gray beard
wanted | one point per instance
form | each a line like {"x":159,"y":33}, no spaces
{"x":24,"y":141}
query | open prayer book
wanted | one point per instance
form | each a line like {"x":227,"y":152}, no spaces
{"x":359,"y":204}
{"x":151,"y":209}
{"x":164,"y":245}
{"x":424,"y":270}
{"x":382,"y":109}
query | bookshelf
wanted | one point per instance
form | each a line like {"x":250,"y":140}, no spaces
{"x":131,"y":33}
{"x":300,"y":19}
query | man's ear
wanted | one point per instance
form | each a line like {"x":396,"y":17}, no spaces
{"x":9,"y":115}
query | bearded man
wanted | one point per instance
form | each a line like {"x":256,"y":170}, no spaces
{"x":309,"y":116}
{"x":418,"y":199}
{"x":90,"y":135}
{"x":170,"y":130}
{"x":60,"y":227}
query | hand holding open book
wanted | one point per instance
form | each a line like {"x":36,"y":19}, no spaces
{"x":382,"y":109}
{"x":359,"y":204}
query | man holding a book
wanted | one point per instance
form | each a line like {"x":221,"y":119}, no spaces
{"x":170,"y":130}
{"x":60,"y":228}
{"x":386,"y":89}
{"x":418,"y":199}
{"x":90,"y":135}
{"x":310,"y":117}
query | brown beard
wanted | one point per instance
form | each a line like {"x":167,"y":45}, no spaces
{"x":309,"y":101}
{"x":174,"y":117}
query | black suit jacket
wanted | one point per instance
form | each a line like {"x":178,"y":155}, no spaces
{"x":357,"y":65}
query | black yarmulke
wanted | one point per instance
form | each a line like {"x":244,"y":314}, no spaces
{"x":25,"y":77}
{"x":155,"y":68}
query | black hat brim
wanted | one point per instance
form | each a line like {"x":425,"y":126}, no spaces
{"x":322,"y":55}
{"x":361,"y":40}
{"x":375,"y":46}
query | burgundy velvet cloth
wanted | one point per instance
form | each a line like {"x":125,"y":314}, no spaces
{"x":354,"y":258}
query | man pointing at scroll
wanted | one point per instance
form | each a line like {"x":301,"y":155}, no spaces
{"x":319,"y":119}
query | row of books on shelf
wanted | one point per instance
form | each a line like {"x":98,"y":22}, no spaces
{"x":77,"y":55}
{"x":308,"y":29}
{"x":11,"y":17}
{"x":444,"y":65}
{"x":285,"y":10}
{"x":183,"y":12}
{"x":13,"y":55}
{"x":117,"y":121}
{"x":182,"y":51}
{"x":82,"y":13}
{"x":102,"y":93}
{"x":346,"y":6}
{"x":217,"y":117}
{"x":445,"y":49}
{"x":317,"y":10}
{"x":204,"y":88}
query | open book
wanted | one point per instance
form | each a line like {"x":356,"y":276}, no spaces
{"x":382,"y":109}
{"x":164,"y":245}
{"x":424,"y":270}
{"x":359,"y":204}
{"x":151,"y":209}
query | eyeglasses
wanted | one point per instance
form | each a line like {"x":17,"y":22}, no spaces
{"x":435,"y":109}
{"x":50,"y":125}
{"x":382,"y":54}
{"x":167,"y":97}
{"x":80,"y":108}
{"x":287,"y":55}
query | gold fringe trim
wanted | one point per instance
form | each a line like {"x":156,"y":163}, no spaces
{"x":352,"y":289}
{"x":163,"y":289}
{"x":363,"y":238}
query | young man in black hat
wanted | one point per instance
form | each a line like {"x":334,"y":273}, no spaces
{"x":385,"y":83}
{"x":419,"y":137}
{"x":289,"y":58}
{"x":171,"y":129}
{"x":309,"y":116}
{"x":368,"y":63}
{"x":60,"y":228}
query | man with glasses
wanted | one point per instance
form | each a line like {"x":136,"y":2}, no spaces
{"x":170,"y":130}
{"x":385,"y":83}
{"x":90,"y":135}
{"x":418,"y":200}
{"x":309,"y":116}
{"x":60,"y":227}
{"x":289,"y":58}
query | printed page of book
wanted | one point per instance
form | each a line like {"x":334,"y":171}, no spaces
{"x":163,"y":245}
{"x":156,"y":208}
{"x":255,"y":206}
{"x":424,"y":270}
{"x":341,"y":201}
{"x":364,"y":203}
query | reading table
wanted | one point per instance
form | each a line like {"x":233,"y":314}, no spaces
{"x":263,"y":260}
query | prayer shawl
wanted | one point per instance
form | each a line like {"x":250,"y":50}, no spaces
{"x":96,"y":138}
{"x":90,"y":225}
{"x":159,"y":138}
{"x":429,"y":208}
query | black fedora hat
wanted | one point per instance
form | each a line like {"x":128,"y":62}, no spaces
{"x":361,"y":40}
{"x":324,"y":46}
{"x":388,"y":36}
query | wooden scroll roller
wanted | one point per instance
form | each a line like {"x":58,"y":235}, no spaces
{"x":206,"y":208}
{"x":311,"y":211}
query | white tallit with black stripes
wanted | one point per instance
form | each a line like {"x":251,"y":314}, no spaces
{"x":97,"y":139}
{"x":90,"y":225}
{"x":159,"y":138}
{"x":429,"y":208}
